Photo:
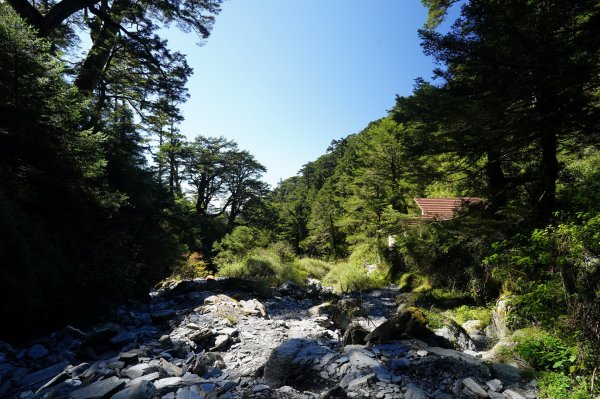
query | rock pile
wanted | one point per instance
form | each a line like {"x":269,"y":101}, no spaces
{"x":210,"y":340}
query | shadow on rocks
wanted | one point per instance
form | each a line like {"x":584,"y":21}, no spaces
{"x":291,"y":363}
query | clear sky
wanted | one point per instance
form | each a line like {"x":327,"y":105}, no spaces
{"x":285,"y":77}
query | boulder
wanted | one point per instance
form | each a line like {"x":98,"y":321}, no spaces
{"x":354,"y":334}
{"x":291,"y":289}
{"x":291,"y":363}
{"x":456,"y":335}
{"x":255,"y":308}
{"x":408,"y":322}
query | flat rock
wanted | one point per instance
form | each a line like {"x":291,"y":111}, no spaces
{"x":187,"y":393}
{"x":475,"y":387}
{"x":140,"y":390}
{"x":139,"y":370}
{"x":413,"y":392}
{"x":360,"y":357}
{"x":165,"y":385}
{"x":167,"y":369}
{"x":494,"y":385}
{"x":37,"y":351}
{"x":98,"y":389}
{"x":513,"y":394}
{"x":360,"y":381}
{"x":40,"y":377}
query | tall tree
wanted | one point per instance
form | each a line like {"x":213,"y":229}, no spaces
{"x":523,"y":79}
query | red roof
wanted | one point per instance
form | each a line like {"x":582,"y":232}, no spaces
{"x":443,"y":208}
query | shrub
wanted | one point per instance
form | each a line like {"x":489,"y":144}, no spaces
{"x":441,"y":298}
{"x":464,"y":313}
{"x":347,"y":277}
{"x":559,"y":386}
{"x":314,"y":268}
{"x":545,"y":352}
{"x":252,"y":268}
{"x":542,"y":304}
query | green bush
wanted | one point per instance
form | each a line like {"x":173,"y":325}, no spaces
{"x":559,"y":386}
{"x":542,"y":304}
{"x":441,"y":298}
{"x":314,"y":268}
{"x":464,"y":313}
{"x":346,"y":277}
{"x":545,"y":352}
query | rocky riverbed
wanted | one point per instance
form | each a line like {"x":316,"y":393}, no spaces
{"x":218,"y":339}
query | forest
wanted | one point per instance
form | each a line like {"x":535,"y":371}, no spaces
{"x":102,"y":197}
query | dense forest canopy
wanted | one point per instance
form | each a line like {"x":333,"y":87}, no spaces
{"x":101,"y":195}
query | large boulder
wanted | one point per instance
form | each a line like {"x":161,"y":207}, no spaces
{"x":457,"y":335}
{"x":354,"y":334}
{"x":291,"y":363}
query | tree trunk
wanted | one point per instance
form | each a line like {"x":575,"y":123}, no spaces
{"x":97,"y":58}
{"x":549,"y":172}
{"x":496,"y":180}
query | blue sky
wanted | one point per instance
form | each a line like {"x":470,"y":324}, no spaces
{"x":285,"y":77}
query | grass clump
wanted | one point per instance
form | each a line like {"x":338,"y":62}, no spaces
{"x":314,"y":268}
{"x":345,"y":277}
{"x":559,"y":386}
{"x":464,"y":313}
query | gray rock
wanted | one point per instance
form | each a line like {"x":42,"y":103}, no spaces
{"x":354,"y":334}
{"x":291,"y":362}
{"x":147,"y":377}
{"x":187,"y":393}
{"x":98,"y":389}
{"x":207,"y":390}
{"x":220,"y":342}
{"x":457,"y":335}
{"x":168,"y":384}
{"x":129,"y":357}
{"x":167,"y":369}
{"x":413,"y":392}
{"x":139,"y":370}
{"x":347,"y":378}
{"x":360,"y":356}
{"x":40,"y":377}
{"x":496,"y":395}
{"x":254,"y":307}
{"x":37,"y":351}
{"x":475,"y":387}
{"x":123,"y":338}
{"x":291,"y":289}
{"x":494,"y":385}
{"x":140,"y":390}
{"x":506,"y":372}
{"x":160,"y":316}
{"x":400,"y":363}
{"x":260,"y":388}
{"x":514,"y":394}
{"x":357,"y":383}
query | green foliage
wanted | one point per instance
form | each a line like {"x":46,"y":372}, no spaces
{"x":241,"y":242}
{"x":560,"y":386}
{"x":314,"y":268}
{"x":541,"y":303}
{"x":465,"y":312}
{"x":347,"y":277}
{"x":545,"y":352}
{"x":264,"y":268}
{"x":441,"y":298}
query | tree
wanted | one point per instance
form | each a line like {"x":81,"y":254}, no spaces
{"x":521,"y":79}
